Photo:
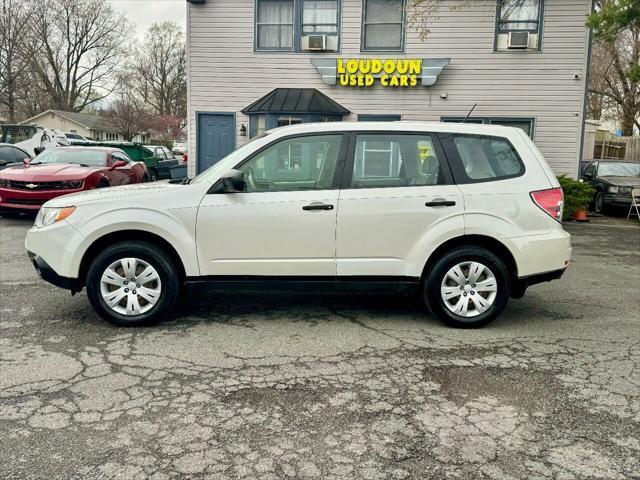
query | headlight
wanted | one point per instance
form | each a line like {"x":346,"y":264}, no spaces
{"x":612,"y":189}
{"x":48,"y":216}
{"x":71,"y":184}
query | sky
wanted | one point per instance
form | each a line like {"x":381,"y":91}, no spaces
{"x":145,"y":12}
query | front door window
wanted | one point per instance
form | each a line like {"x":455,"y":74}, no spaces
{"x":302,"y":163}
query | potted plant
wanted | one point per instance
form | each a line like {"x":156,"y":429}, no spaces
{"x":577,"y":196}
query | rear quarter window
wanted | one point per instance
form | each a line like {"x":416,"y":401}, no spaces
{"x":481,"y":158}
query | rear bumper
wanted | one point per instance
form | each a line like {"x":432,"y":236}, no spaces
{"x":164,"y":168}
{"x":48,"y":274}
{"x":537,"y":254}
{"x":542,"y":277}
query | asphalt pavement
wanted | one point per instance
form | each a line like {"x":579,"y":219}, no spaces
{"x":328,"y":386}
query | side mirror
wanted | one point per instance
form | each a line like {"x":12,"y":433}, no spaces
{"x":230,"y":182}
{"x":3,"y":163}
{"x":118,"y":164}
{"x":26,"y":161}
{"x":587,"y":176}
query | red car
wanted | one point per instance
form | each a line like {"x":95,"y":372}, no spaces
{"x":62,"y":170}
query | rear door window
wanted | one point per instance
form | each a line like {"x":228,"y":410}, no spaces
{"x":396,"y":160}
{"x":481,"y":158}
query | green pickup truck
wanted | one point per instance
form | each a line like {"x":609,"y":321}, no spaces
{"x":158,"y":159}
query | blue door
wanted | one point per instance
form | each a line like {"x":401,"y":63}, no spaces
{"x":216,"y":138}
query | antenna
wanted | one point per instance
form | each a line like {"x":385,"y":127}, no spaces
{"x":470,"y":112}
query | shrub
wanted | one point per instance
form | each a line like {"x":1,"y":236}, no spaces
{"x":576,"y":195}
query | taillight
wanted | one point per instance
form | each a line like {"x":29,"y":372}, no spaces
{"x":550,"y":201}
{"x":184,"y":158}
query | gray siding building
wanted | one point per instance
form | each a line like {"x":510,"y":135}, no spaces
{"x":258,"y":64}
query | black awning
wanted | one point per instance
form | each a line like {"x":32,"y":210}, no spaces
{"x":296,"y":100}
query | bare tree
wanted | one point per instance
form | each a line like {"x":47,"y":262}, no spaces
{"x":13,"y":63}
{"x":421,"y":14}
{"x":126,"y":114}
{"x":76,"y":47}
{"x":614,"y":77}
{"x":160,"y":65}
{"x":609,"y":81}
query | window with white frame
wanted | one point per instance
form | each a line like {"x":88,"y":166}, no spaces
{"x":320,"y":16}
{"x":524,"y":124}
{"x":274,"y":24}
{"x":383,"y":25}
{"x":286,"y":25}
{"x":519,"y":15}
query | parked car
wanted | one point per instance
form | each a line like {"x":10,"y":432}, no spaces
{"x":158,"y":166}
{"x":12,"y":155}
{"x":166,"y":160}
{"x":76,"y":138}
{"x":63,"y":170}
{"x":613,"y":181}
{"x":466,"y":215}
{"x":179,"y":148}
{"x":31,"y":138}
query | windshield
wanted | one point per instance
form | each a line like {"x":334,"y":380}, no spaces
{"x":213,"y":171}
{"x":621,"y":169}
{"x":96,"y":158}
{"x":73,"y":136}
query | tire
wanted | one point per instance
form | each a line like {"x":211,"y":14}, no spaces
{"x":439,"y":283}
{"x":598,"y":202}
{"x":102,"y":184}
{"x":145,"y":179}
{"x":153,"y":175}
{"x":165,"y":290}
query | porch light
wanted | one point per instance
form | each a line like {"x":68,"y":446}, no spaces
{"x":243,"y":130}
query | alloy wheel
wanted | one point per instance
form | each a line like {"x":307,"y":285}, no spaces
{"x":130,"y":286}
{"x":469,"y":289}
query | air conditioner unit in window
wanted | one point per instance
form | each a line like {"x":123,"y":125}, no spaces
{"x":317,"y":42}
{"x":518,"y":40}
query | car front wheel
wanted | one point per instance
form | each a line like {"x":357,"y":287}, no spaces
{"x":133,"y":285}
{"x":467,"y":287}
{"x":599,"y":202}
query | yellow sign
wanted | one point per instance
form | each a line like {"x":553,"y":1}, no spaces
{"x":363,"y":72}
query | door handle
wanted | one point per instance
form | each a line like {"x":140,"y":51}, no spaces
{"x":318,"y":206}
{"x":440,"y":203}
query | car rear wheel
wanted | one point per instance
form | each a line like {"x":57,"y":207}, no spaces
{"x":133,"y":285}
{"x":153,"y":175}
{"x":467,"y":288}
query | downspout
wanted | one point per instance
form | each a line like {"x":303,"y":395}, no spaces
{"x":586,"y":92}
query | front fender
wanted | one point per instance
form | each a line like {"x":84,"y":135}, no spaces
{"x":177,"y":229}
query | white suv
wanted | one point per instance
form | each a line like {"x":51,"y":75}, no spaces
{"x":467,"y":215}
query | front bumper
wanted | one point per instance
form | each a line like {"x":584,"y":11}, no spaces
{"x":48,"y":274}
{"x":617,"y":199}
{"x":29,"y":201}
{"x":58,"y":246}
